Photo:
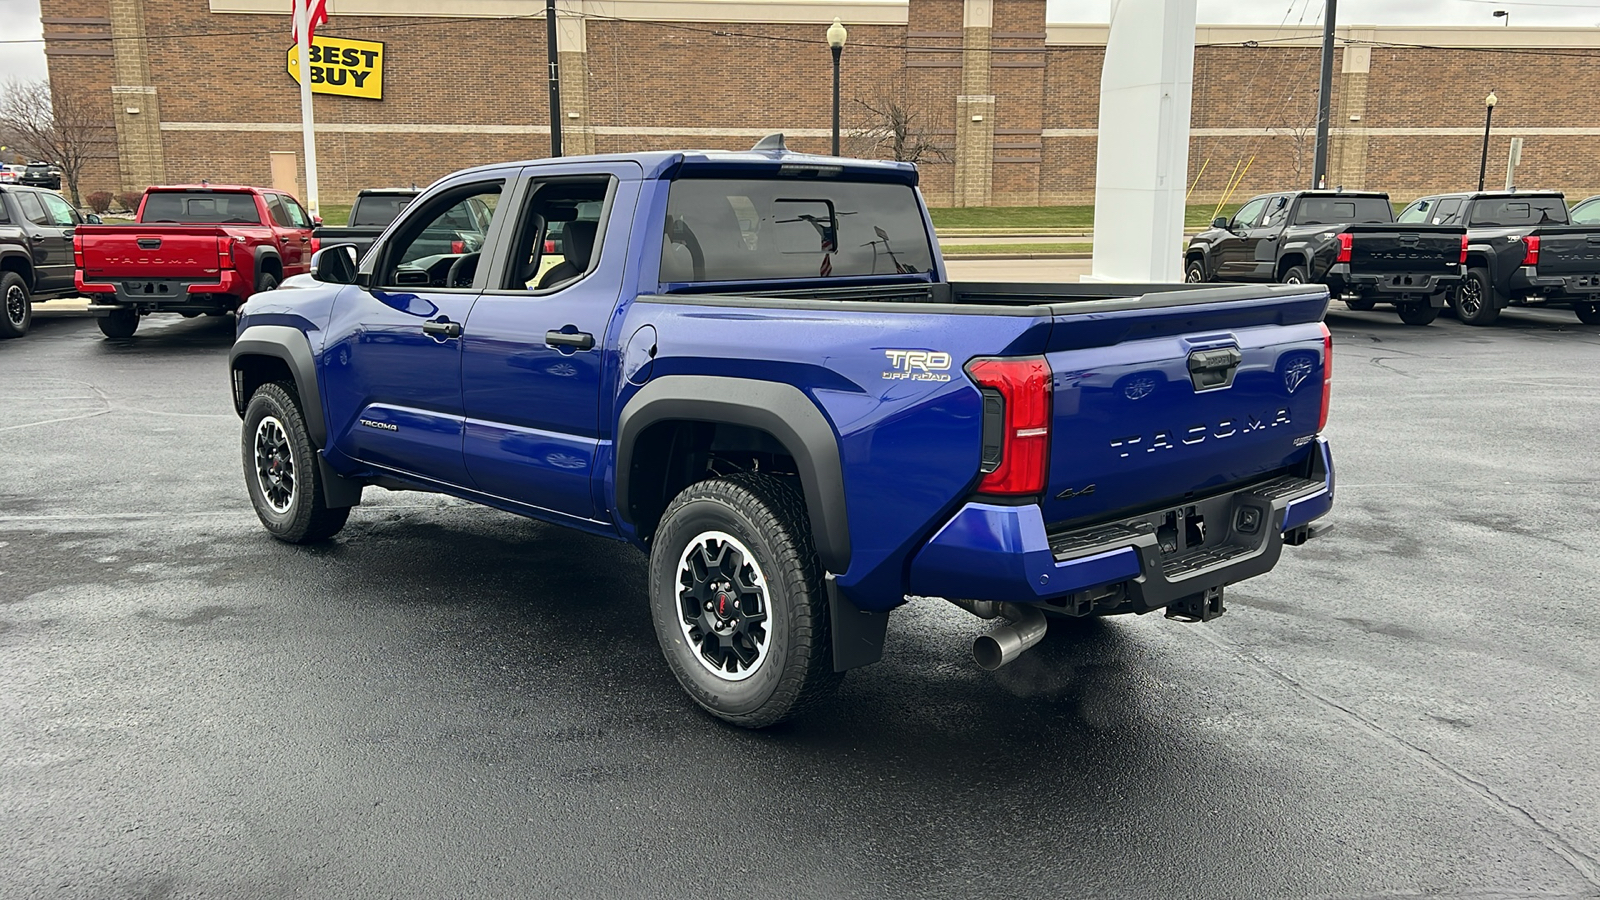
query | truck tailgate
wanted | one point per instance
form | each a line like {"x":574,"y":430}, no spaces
{"x":1153,"y":405}
{"x":1409,"y":249}
{"x":1569,"y":250}
{"x":150,"y":251}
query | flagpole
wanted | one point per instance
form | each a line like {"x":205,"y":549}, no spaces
{"x":302,"y":15}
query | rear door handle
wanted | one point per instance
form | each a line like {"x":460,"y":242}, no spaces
{"x":582,"y":340}
{"x":442,"y":327}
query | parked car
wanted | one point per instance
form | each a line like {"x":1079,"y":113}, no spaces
{"x":193,"y":250}
{"x":753,"y":367}
{"x":10,"y":173}
{"x":38,"y":174}
{"x":372,"y":212}
{"x":1343,"y":239}
{"x":1586,"y":212}
{"x":36,"y":230}
{"x":1522,"y":251}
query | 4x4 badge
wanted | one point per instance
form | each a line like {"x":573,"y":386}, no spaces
{"x":1069,"y":493}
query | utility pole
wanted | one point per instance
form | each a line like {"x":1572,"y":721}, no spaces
{"x":555,"y":76}
{"x":1319,"y":163}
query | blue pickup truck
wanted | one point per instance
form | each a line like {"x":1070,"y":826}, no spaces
{"x":753,"y":367}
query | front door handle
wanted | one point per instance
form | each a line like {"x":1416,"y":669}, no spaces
{"x":442,"y":328}
{"x":581,"y":340}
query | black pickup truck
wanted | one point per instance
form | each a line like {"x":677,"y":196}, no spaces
{"x":1346,"y":240}
{"x":36,"y":228}
{"x":372,"y":212}
{"x":1522,"y":250}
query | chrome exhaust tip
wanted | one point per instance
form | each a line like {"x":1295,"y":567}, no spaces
{"x":1026,"y":627}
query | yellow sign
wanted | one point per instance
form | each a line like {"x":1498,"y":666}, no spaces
{"x":340,"y":66}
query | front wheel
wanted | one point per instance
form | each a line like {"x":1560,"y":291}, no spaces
{"x":280,"y":470}
{"x":737,"y":596}
{"x":1418,"y":313}
{"x":120,"y":323}
{"x":1196,"y":272}
{"x":1475,"y":299}
{"x":18,"y":302}
{"x":1588,"y":313}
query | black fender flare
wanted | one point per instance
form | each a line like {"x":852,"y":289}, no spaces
{"x":29,"y":273}
{"x":781,"y":410}
{"x":262,"y":254}
{"x":1499,"y":281}
{"x":1300,"y":250}
{"x":1201,"y":249}
{"x":293,"y":348}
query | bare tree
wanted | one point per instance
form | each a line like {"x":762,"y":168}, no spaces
{"x":894,"y":130}
{"x":1303,"y":135}
{"x":66,"y":132}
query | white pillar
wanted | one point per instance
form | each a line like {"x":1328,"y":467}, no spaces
{"x":1142,"y":167}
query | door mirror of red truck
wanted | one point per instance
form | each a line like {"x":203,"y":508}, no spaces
{"x":335,"y":264}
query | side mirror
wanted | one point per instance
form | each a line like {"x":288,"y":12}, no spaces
{"x":335,"y":265}
{"x":316,"y":221}
{"x":92,"y":219}
{"x":1220,"y":222}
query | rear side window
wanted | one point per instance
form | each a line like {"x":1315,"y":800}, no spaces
{"x":378,"y":211}
{"x":5,"y":214}
{"x":750,"y":230}
{"x":1513,"y":211}
{"x":1343,"y":211}
{"x":32,"y":209}
{"x":200,"y":208}
{"x":280,"y":217}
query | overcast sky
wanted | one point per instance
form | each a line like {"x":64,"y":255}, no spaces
{"x":26,"y":60}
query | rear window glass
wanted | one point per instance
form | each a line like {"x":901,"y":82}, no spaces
{"x":378,"y":211}
{"x":744,"y":230}
{"x":200,"y":208}
{"x":1519,"y":211}
{"x":1343,"y":211}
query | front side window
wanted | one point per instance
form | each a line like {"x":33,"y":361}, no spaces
{"x":297,"y":213}
{"x":1247,"y":214}
{"x":438,"y":246}
{"x":59,"y":211}
{"x":753,"y":230}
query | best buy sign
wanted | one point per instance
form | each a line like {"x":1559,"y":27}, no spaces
{"x":341,"y":66}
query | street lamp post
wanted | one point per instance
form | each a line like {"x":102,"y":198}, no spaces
{"x":836,"y":36}
{"x":1488,"y":115}
{"x":1503,"y":14}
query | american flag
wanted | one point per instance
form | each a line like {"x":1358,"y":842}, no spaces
{"x":313,"y":13}
{"x":827,"y":265}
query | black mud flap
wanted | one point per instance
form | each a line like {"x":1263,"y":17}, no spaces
{"x":857,"y":634}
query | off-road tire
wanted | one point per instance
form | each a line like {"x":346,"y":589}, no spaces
{"x":16,"y":306}
{"x":1295,"y":275}
{"x":306,"y":517}
{"x":768,"y":516}
{"x":1475,"y":300}
{"x":1195,"y":272}
{"x":1418,"y":313}
{"x":1361,"y":304}
{"x":266,"y":281}
{"x":121,"y":323}
{"x":1588,"y":313}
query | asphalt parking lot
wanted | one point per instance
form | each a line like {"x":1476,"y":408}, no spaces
{"x":448,"y":701}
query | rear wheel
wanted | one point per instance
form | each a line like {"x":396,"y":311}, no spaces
{"x":1588,"y":313}
{"x":17,"y":313}
{"x":121,"y":323}
{"x":266,"y":281}
{"x":1294,"y":275}
{"x":1195,"y":273}
{"x":737,"y":596}
{"x":1360,"y":304}
{"x":1475,"y":300}
{"x":280,"y":469}
{"x":1418,"y":313}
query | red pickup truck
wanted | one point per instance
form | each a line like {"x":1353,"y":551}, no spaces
{"x":195,"y":249}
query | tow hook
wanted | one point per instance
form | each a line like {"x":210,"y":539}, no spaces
{"x":1201,"y":607}
{"x":1026,"y":628}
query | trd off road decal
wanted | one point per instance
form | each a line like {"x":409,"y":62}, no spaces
{"x":917,"y":365}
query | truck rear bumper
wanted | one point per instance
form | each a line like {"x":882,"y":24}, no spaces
{"x":1557,"y":288}
{"x":993,"y":552}
{"x":167,"y":292}
{"x":1399,"y":284}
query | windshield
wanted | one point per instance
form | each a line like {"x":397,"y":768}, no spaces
{"x":379,"y":210}
{"x":200,"y":208}
{"x":1519,"y":211}
{"x":1343,"y":211}
{"x":748,"y":230}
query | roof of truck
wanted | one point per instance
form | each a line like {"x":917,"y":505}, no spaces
{"x":657,"y":163}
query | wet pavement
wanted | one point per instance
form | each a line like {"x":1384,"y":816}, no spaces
{"x":448,"y":701}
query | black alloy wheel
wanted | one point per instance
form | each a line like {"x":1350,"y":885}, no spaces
{"x":17,"y":313}
{"x":1475,"y":301}
{"x":1295,"y":275}
{"x":1195,"y":273}
{"x":280,"y":469}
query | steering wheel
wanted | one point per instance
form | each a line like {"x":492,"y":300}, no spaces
{"x":462,"y":271}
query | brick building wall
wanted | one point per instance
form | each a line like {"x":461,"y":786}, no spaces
{"x":1003,"y":104}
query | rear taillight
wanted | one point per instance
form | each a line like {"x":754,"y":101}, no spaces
{"x":77,"y":251}
{"x":1530,"y":257}
{"x":1016,"y":423}
{"x":1463,"y":249}
{"x":1327,"y":376}
{"x":225,"y":252}
{"x":1345,"y":242}
{"x":316,"y":244}
{"x":549,"y":245}
{"x":458,"y":247}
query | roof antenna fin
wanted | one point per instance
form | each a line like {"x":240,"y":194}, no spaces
{"x":771,"y":142}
